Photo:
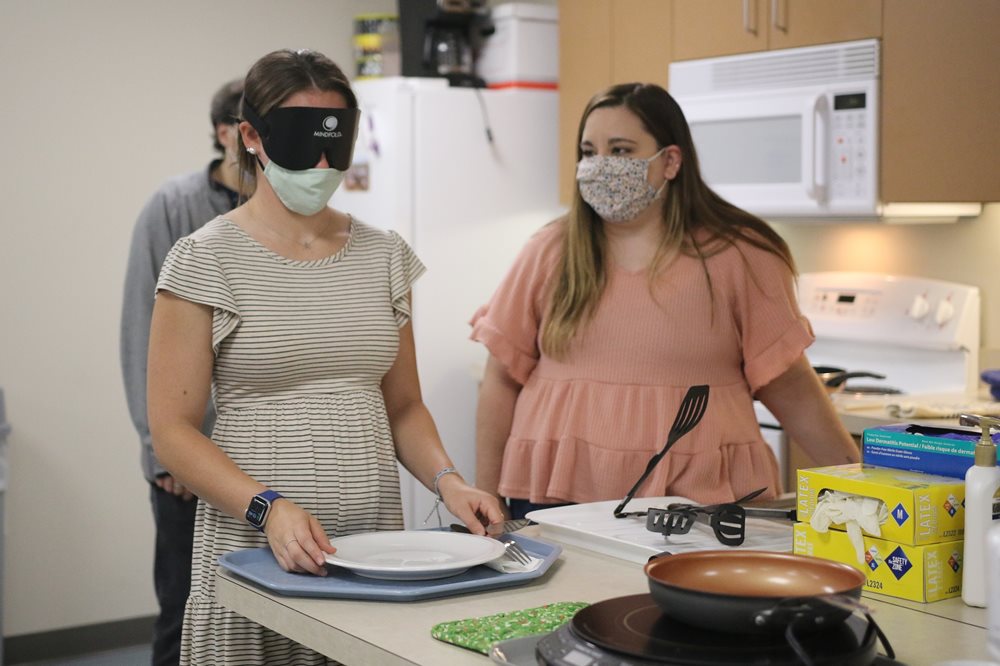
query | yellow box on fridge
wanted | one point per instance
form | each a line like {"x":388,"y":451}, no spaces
{"x":923,"y":508}
{"x":918,"y":573}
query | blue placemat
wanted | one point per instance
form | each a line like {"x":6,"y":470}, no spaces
{"x":259,"y":566}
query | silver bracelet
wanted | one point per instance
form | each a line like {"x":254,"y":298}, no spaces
{"x":437,"y":478}
{"x":438,"y":500}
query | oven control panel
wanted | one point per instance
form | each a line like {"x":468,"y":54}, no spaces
{"x":835,"y":302}
{"x":900,"y":310}
{"x":861,"y":304}
{"x":922,"y":334}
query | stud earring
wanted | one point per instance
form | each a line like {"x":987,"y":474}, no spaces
{"x":251,"y":151}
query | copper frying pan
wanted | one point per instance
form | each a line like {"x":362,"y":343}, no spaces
{"x":745,"y":591}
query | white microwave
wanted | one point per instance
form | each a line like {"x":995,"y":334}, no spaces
{"x":790,"y":133}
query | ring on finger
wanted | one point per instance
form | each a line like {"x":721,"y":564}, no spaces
{"x":291,"y":542}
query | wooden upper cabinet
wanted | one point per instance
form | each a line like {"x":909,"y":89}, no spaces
{"x":794,"y":23}
{"x":603,"y":42}
{"x":703,"y":29}
{"x":585,"y":50}
{"x":940,"y":101}
{"x":708,"y":28}
{"x":640,"y":33}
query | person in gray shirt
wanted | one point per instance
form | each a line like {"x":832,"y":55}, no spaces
{"x":179,"y":207}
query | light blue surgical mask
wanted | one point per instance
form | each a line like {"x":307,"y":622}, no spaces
{"x":305,"y":192}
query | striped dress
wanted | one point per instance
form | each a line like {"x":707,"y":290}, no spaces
{"x":300,"y":350}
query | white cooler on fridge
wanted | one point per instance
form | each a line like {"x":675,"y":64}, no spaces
{"x":524,"y":50}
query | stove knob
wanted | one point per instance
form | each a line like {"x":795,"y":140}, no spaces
{"x":919,"y":308}
{"x":945,"y":311}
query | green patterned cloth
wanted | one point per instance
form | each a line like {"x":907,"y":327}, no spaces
{"x":478,"y":633}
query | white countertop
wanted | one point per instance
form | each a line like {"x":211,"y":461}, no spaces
{"x":864,"y":413}
{"x":370,"y":633}
{"x":857,"y":420}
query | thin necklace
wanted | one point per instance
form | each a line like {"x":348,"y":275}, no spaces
{"x":304,"y":243}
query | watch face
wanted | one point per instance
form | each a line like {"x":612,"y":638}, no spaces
{"x":256,"y":511}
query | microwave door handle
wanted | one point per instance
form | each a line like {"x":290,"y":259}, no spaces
{"x":814,"y":153}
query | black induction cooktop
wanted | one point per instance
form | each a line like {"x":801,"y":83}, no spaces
{"x":631,"y":631}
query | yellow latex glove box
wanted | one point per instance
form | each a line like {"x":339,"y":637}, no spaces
{"x":923,"y":508}
{"x":918,"y":573}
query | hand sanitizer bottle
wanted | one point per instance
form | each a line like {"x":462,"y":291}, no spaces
{"x":993,"y":589}
{"x":982,"y":507}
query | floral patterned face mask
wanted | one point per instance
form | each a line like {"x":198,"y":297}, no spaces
{"x":616,"y":187}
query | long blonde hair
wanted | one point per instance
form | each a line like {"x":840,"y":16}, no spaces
{"x":690,"y":205}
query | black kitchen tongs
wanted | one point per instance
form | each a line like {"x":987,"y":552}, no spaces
{"x":727,"y":520}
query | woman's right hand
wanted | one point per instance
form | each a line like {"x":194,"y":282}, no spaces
{"x":296,"y":538}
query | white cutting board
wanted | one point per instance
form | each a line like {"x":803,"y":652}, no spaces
{"x":593,"y":526}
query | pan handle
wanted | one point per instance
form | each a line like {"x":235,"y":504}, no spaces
{"x":802,"y":608}
{"x":872,"y":627}
{"x":806,"y":612}
{"x":834,"y":382}
{"x":843,"y":602}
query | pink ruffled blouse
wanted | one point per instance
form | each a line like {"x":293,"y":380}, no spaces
{"x":585,"y":427}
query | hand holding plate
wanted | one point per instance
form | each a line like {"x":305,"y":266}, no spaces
{"x":297,"y":540}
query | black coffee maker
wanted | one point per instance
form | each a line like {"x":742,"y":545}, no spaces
{"x":442,"y":38}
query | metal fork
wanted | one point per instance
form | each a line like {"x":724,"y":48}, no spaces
{"x":511,"y":548}
{"x":515,"y":552}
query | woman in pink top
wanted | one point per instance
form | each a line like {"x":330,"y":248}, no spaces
{"x":651,"y":284}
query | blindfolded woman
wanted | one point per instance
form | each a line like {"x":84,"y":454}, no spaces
{"x":296,"y":317}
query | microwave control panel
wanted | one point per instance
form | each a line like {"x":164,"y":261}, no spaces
{"x":850,"y":175}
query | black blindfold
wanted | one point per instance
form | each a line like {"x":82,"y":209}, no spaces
{"x":295,"y":136}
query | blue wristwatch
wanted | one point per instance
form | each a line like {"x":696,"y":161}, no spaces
{"x":259,"y":507}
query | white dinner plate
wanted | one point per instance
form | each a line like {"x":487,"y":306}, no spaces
{"x":413,"y":554}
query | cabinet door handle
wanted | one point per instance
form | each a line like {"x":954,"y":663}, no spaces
{"x":775,"y":22}
{"x":748,"y":25}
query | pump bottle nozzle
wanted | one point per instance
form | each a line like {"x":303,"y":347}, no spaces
{"x":986,"y":453}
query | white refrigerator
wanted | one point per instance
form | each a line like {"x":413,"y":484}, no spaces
{"x":465,"y":176}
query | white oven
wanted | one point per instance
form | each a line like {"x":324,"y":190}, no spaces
{"x":922,"y":334}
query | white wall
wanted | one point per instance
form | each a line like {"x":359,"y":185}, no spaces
{"x":100,"y":101}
